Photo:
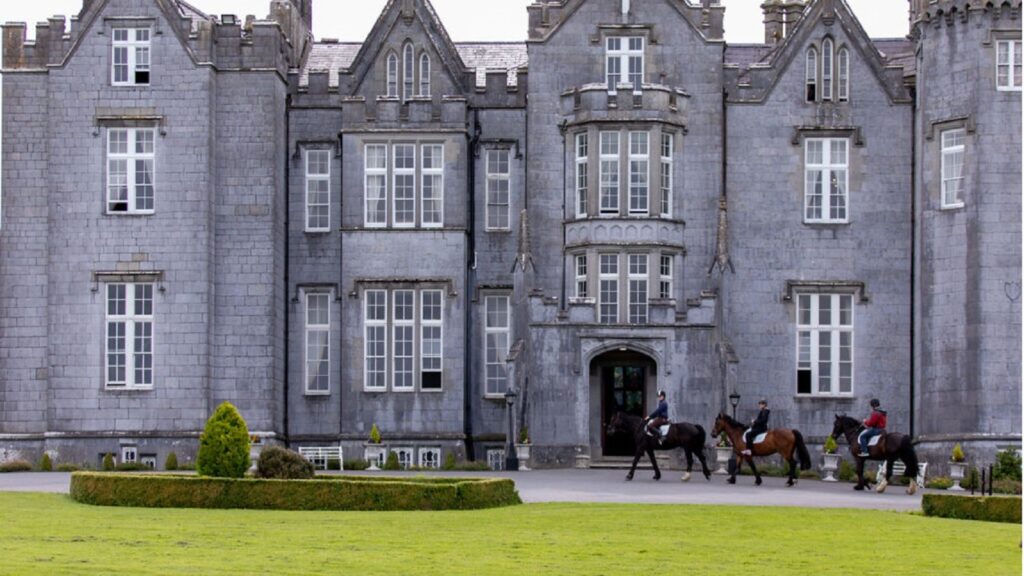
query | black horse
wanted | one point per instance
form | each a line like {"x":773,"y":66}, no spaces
{"x":689,"y":437}
{"x":892,"y":445}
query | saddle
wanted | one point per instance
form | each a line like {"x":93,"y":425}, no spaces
{"x":874,"y":439}
{"x":662,"y":430}
{"x":760,"y":437}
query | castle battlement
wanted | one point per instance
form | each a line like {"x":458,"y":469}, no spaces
{"x":948,"y":12}
{"x":547,"y":15}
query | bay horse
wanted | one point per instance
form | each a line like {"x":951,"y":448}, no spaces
{"x":782,"y":440}
{"x":689,"y":437}
{"x":893,"y":445}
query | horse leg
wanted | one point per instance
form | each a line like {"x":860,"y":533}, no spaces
{"x":860,"y":474}
{"x":757,"y":475}
{"x":736,"y":470}
{"x":654,"y":463}
{"x":792,"y":471}
{"x":689,"y":464}
{"x":636,"y":458}
{"x":888,"y":476}
{"x":704,"y":464}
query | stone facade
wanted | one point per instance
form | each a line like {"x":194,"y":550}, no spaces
{"x":395,"y":232}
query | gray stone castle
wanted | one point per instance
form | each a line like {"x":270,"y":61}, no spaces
{"x":398,"y":232}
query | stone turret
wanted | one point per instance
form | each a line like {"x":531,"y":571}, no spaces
{"x":780,"y":17}
{"x":296,"y":20}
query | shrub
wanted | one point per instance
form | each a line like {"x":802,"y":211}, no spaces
{"x":356,"y":465}
{"x":132,"y":467}
{"x":45,"y":463}
{"x":958,"y":454}
{"x":847,"y":471}
{"x":1008,"y":465}
{"x":449,"y":462}
{"x":187,"y":466}
{"x":972,"y":479}
{"x":939,"y":483}
{"x":989,"y":509}
{"x":283,"y":464}
{"x":68,"y":467}
{"x":333,"y":464}
{"x":524,"y":435}
{"x":477,"y":466}
{"x":15,"y":466}
{"x":172,"y":462}
{"x":1006,"y":487}
{"x":392,"y":462}
{"x":830,"y":445}
{"x":328,"y":493}
{"x":723,"y":440}
{"x":375,"y":435}
{"x":224,"y":444}
{"x":108,"y":462}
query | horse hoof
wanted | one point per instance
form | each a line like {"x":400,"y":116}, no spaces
{"x":912,"y":489}
{"x":707,"y":476}
{"x":731,"y":480}
{"x":881,"y":487}
{"x":790,"y":484}
{"x":629,"y":477}
{"x":656,"y":478}
{"x":757,"y":482}
{"x":858,"y":487}
{"x":686,"y":477}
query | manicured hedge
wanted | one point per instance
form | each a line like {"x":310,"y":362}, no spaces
{"x":963,"y":507}
{"x":325,"y":493}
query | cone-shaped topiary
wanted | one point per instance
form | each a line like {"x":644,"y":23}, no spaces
{"x":830,"y":445}
{"x":958,"y":454}
{"x":374,"y":435}
{"x":392,"y":462}
{"x":108,"y":462}
{"x":224,"y":444}
{"x":172,"y":462}
{"x":45,"y":464}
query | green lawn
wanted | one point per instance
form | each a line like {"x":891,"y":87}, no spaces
{"x":51,"y":534}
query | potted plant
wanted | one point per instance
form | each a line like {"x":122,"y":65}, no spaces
{"x":957,"y":465}
{"x":831,"y":463}
{"x":723,"y":452}
{"x":523,"y":447}
{"x":374,"y":452}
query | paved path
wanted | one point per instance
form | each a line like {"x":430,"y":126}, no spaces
{"x":610,"y":486}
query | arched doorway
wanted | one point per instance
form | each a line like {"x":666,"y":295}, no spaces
{"x":621,"y":379}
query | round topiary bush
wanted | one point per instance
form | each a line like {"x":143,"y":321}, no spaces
{"x":224,"y":444}
{"x":283,"y":464}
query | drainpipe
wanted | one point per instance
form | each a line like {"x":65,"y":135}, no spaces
{"x":287,"y":263}
{"x":565,"y":217}
{"x":914,"y":168}
{"x":341,"y":272}
{"x":472,"y":138}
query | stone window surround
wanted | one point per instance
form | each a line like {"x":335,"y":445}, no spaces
{"x":833,"y":86}
{"x":836,"y":328}
{"x":494,"y":178}
{"x":112,"y":23}
{"x":995,"y":37}
{"x":308,"y":329}
{"x":933,"y":149}
{"x":419,"y":176}
{"x":132,"y":126}
{"x":826,"y":167}
{"x":130,"y":319}
{"x":855,"y":288}
{"x":397,"y":86}
{"x":319,"y":177}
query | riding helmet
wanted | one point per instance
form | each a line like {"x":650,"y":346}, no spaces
{"x":875,"y":403}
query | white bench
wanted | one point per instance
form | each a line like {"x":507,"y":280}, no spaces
{"x":898,"y":469}
{"x":318,"y":456}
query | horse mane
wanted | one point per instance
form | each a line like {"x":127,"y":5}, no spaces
{"x":732,"y":421}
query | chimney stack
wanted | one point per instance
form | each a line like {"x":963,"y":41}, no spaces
{"x":780,"y":17}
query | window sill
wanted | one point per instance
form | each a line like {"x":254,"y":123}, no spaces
{"x":498,"y":230}
{"x":495,"y":397}
{"x":952,"y":207}
{"x":136,"y":213}
{"x":824,"y":223}
{"x":317,"y":231}
{"x":1008,"y":88}
{"x":128,"y":388}
{"x":431,"y":390}
{"x":315,"y":393}
{"x":844,"y":396}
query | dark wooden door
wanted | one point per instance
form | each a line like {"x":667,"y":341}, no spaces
{"x":623,"y":389}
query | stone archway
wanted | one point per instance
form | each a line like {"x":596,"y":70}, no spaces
{"x":620,"y":379}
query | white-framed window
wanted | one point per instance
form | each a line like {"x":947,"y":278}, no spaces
{"x":954,"y":149}
{"x":826,"y":167}
{"x":624,"y":61}
{"x":131,"y":56}
{"x":129,"y":336}
{"x":318,"y":190}
{"x":404,"y":192}
{"x":430,"y":458}
{"x":431,"y":339}
{"x":638,"y":294}
{"x":129,"y":454}
{"x":496,"y":459}
{"x":406,"y":457}
{"x":824,"y":344}
{"x":826,"y":69}
{"x":409,"y":71}
{"x":318,"y":343}
{"x":582,"y":174}
{"x":392,"y":76}
{"x":843,"y":65}
{"x":608,"y":288}
{"x":424,"y":74}
{"x":131,"y":170}
{"x":609,"y":172}
{"x":667,"y":174}
{"x":403,"y":314}
{"x":666,"y":277}
{"x":375,"y":185}
{"x":581,"y":276}
{"x":375,"y":353}
{"x":811,"y":75}
{"x":498,"y":179}
{"x":148,"y":460}
{"x":1008,"y":65}
{"x":433,"y":185}
{"x":639,"y":172}
{"x":497,"y":328}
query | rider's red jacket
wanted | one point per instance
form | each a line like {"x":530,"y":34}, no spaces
{"x":876,"y":420}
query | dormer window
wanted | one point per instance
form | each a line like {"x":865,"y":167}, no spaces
{"x":624,"y":58}
{"x":131,"y":51}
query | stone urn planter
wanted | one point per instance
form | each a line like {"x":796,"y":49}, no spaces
{"x":956,"y":473}
{"x":829,"y":467}
{"x":722,"y":456}
{"x":523,"y":454}
{"x":375,"y":455}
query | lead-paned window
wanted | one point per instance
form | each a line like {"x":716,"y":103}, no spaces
{"x":1008,"y":64}
{"x":825,"y":344}
{"x":402,"y":342}
{"x":609,"y":172}
{"x":826,"y":167}
{"x":433,"y":185}
{"x":624,"y":62}
{"x":131,"y":170}
{"x":498,"y":178}
{"x":318,"y":190}
{"x":582,"y":174}
{"x":404,"y":193}
{"x":581,"y":276}
{"x":608,"y":278}
{"x":431,"y":339}
{"x":376,"y":185}
{"x":375,"y":355}
{"x":131,"y":56}
{"x":639,"y":172}
{"x":667,"y":174}
{"x":129,"y":336}
{"x":954,"y":148}
{"x":638,"y":274}
{"x":318,"y":343}
{"x":497,"y":326}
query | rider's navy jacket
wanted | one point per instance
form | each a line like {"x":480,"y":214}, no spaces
{"x":761,"y":422}
{"x":661,"y":412}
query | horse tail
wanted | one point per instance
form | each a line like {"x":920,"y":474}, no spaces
{"x":801,"y":450}
{"x":909,"y":457}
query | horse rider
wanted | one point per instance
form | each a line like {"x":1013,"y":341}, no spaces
{"x":758,"y":425}
{"x":874,"y":424}
{"x":659,"y":417}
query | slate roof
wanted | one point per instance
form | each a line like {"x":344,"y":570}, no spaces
{"x":895,"y":51}
{"x":191,"y":12}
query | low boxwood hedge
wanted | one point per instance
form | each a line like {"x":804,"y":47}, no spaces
{"x":963,"y":507}
{"x":325,"y":493}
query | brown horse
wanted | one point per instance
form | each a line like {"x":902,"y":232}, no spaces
{"x":781,"y":440}
{"x":892,"y":446}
